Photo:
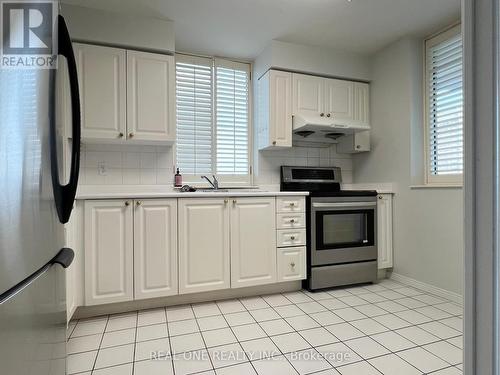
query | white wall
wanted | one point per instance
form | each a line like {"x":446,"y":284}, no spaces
{"x":428,"y":223}
{"x":101,"y":27}
{"x":312,"y":59}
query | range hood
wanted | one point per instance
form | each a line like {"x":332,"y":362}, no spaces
{"x":322,"y":130}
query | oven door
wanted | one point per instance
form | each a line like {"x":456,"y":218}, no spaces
{"x":343,"y":230}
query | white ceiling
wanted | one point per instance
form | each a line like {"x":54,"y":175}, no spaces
{"x":242,"y":28}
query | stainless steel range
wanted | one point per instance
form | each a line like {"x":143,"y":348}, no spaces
{"x":341,"y":227}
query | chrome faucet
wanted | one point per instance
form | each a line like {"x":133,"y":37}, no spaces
{"x":215,"y":183}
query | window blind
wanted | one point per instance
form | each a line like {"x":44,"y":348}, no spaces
{"x":232,"y":102}
{"x":194,"y":114}
{"x":445,"y":104}
{"x":213,"y":127}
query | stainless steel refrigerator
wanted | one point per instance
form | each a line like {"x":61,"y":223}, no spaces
{"x":35,"y":202}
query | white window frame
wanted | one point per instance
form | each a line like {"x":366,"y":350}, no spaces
{"x":225,"y":181}
{"x":452,"y":180}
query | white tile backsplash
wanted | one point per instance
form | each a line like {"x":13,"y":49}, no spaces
{"x":154,"y":165}
{"x":127,"y":165}
{"x":268,"y":163}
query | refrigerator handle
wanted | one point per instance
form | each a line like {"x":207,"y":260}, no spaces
{"x":64,"y":258}
{"x":64,"y":195}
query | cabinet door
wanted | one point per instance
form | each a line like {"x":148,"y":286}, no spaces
{"x":362,"y":104}
{"x":308,"y":95}
{"x":155,"y":248}
{"x":253,"y":241}
{"x":280,"y":108}
{"x":108,"y":252}
{"x":339,"y":100}
{"x":101,"y":76}
{"x":150,"y":97}
{"x":204,"y":256}
{"x":384,"y":231}
{"x":292,"y":263}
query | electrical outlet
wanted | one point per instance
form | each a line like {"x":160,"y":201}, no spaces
{"x":102,"y":170}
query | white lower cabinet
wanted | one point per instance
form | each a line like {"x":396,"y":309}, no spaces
{"x":292,"y":263}
{"x":384,"y":233}
{"x":140,"y":249}
{"x":155,"y":248}
{"x":204,"y":253}
{"x":108,"y":252}
{"x":253,"y":241}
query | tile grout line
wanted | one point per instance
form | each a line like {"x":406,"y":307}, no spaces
{"x":308,"y":314}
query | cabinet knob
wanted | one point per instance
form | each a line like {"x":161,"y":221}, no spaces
{"x":292,"y":204}
{"x":292,"y":238}
{"x":321,"y":114}
{"x":328,"y":115}
{"x":379,"y":197}
{"x":274,"y":143}
{"x":226,"y":201}
{"x":358,"y":147}
{"x":292,"y":221}
{"x":138,"y":203}
{"x":120,"y":135}
{"x":235,"y":201}
{"x":130,"y":135}
{"x":127,"y":203}
{"x":292,"y":264}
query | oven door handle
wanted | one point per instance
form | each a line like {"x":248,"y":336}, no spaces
{"x":344,"y":205}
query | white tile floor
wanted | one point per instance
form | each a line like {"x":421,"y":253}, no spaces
{"x":388,"y":328}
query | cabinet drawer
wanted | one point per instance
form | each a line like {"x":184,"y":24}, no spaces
{"x":292,"y":263}
{"x":291,"y":237}
{"x":291,"y":220}
{"x":290,"y":204}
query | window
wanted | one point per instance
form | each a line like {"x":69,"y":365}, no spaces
{"x":213,"y":124}
{"x":444,"y":108}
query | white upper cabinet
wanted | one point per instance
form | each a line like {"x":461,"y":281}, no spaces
{"x":155,"y":248}
{"x":308,"y":95}
{"x":339,"y":101}
{"x":204,"y":240}
{"x":253,"y":241}
{"x":334,"y":101}
{"x":362,"y":103}
{"x":102,"y":81}
{"x":108,"y":252}
{"x":126,"y":96}
{"x":274,"y":125}
{"x":150,"y":97}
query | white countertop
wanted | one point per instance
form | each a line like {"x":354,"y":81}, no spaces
{"x":381,"y":188}
{"x":161,"y":191}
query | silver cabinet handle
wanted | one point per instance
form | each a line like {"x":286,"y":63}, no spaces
{"x":292,"y":264}
{"x":344,"y":204}
{"x":226,"y":201}
{"x":235,"y":201}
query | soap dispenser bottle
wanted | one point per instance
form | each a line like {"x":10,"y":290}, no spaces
{"x":178,"y":179}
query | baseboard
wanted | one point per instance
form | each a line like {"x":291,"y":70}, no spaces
{"x":452,"y":296}
{"x":114,"y":308}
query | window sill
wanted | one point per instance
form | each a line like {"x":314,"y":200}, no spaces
{"x":437,"y":186}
